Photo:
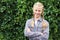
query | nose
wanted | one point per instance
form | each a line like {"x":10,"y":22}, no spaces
{"x":37,"y":11}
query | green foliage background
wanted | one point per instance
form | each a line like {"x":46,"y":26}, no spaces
{"x":14,"y":13}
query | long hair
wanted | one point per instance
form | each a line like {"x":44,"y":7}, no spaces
{"x":42,"y":15}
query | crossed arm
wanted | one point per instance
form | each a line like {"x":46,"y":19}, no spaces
{"x":29,"y":33}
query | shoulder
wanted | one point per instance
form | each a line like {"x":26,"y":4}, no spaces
{"x":29,"y":20}
{"x":46,"y":22}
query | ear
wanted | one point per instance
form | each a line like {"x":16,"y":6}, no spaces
{"x":32,"y":9}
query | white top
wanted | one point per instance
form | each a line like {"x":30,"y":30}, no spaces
{"x":35,"y":22}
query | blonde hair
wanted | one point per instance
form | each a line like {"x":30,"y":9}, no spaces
{"x":39,"y":4}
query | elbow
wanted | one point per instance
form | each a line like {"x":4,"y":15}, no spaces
{"x":46,"y":35}
{"x":26,"y":34}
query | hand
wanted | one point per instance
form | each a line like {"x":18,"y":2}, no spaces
{"x":41,"y":33}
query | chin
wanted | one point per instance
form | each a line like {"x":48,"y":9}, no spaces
{"x":38,"y":16}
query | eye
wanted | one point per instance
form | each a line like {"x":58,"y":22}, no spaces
{"x":35,"y":10}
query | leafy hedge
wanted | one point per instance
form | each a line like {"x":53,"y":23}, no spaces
{"x":14,"y":13}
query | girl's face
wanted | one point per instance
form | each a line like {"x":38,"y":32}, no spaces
{"x":37,"y":11}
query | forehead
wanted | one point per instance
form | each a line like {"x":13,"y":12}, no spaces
{"x":37,"y":8}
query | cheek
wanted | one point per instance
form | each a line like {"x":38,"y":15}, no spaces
{"x":34,"y":11}
{"x":40,"y":12}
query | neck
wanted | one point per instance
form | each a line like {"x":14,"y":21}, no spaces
{"x":36,"y":18}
